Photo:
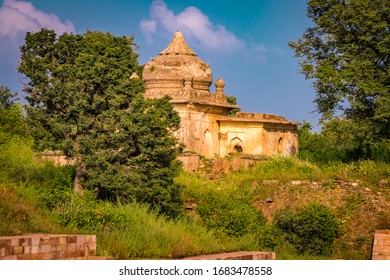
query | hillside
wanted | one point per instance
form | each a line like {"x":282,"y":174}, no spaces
{"x":357,"y":193}
{"x":234,"y":212}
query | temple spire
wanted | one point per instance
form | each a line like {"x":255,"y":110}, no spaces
{"x":178,"y":46}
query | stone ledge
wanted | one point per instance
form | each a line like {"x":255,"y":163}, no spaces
{"x":381,"y":245}
{"x":47,"y":247}
{"x":242,"y":255}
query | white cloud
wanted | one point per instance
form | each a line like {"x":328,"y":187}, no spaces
{"x":193,"y":23}
{"x":148,"y":27}
{"x":19,"y":17}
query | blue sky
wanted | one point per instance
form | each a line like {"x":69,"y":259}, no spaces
{"x":244,"y":42}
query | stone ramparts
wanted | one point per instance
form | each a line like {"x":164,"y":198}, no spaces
{"x":381,"y":247}
{"x":243,"y":255}
{"x":47,"y":247}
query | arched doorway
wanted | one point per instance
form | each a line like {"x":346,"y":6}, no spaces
{"x":280,"y":145}
{"x":236,"y":145}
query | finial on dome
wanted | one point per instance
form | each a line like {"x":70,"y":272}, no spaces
{"x":178,"y":46}
{"x":134,"y":76}
{"x":219,"y":85}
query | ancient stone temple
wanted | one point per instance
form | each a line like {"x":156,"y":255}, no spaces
{"x":207,"y":126}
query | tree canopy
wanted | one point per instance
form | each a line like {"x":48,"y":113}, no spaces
{"x":12,"y":123}
{"x":83,"y":102}
{"x":347,"y":53}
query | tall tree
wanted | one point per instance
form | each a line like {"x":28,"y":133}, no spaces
{"x":83,"y":102}
{"x":347,"y":53}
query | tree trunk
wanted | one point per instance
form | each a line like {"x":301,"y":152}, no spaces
{"x":77,"y":185}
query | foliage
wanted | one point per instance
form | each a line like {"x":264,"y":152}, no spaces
{"x":16,"y":161}
{"x":270,"y":237}
{"x":82,"y":101}
{"x":233,"y":101}
{"x":56,"y":184}
{"x":229,"y":212}
{"x":340,"y":139}
{"x":12,"y":123}
{"x":143,"y":157}
{"x":347,"y":53}
{"x":311,"y":229}
{"x":7,"y":99}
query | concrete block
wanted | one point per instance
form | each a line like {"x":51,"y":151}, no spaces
{"x":34,"y":249}
{"x":48,"y":256}
{"x":71,"y":247}
{"x":45,"y":249}
{"x":3,"y":252}
{"x":12,"y":257}
{"x":61,"y":255}
{"x":25,"y":241}
{"x":92,"y":246}
{"x":71,"y":239}
{"x":27,"y":250}
{"x":382,"y":231}
{"x":80,"y":239}
{"x":16,"y":242}
{"x":35,"y":241}
{"x":47,"y":241}
{"x":17,"y":250}
{"x":63,"y":240}
{"x":90,"y":238}
{"x":5,"y":243}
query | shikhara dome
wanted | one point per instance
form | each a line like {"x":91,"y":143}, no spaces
{"x":175,"y":66}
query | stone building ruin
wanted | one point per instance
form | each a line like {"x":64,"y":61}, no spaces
{"x":206,"y":126}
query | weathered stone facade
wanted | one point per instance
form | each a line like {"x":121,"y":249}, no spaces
{"x":206,"y":127}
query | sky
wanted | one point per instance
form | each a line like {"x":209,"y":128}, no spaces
{"x":244,"y":42}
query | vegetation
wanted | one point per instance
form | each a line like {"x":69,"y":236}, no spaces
{"x":347,"y":53}
{"x":311,"y":229}
{"x":338,"y":141}
{"x":338,"y":205}
{"x":230,"y":213}
{"x":82,"y":102}
{"x":11,"y":118}
{"x":326,"y":204}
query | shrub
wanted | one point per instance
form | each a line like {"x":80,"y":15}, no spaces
{"x":311,"y":229}
{"x":56,"y":184}
{"x":229,"y":213}
{"x":269,"y":237}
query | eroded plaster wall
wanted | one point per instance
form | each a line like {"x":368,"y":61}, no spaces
{"x":240,"y":136}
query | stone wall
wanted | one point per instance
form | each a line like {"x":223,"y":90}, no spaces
{"x":217,"y":166}
{"x":245,"y":255}
{"x":381,"y":247}
{"x":47,"y":247}
{"x":56,"y":157}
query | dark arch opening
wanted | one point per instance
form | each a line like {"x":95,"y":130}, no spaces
{"x":238,"y":148}
{"x":280,"y":145}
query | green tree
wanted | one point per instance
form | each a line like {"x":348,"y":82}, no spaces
{"x":83,"y":102}
{"x":12,"y":123}
{"x":347,"y":53}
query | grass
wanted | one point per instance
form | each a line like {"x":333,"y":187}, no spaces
{"x":37,"y":196}
{"x":357,"y":192}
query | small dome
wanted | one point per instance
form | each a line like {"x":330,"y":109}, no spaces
{"x":174,"y":65}
{"x":219,"y":83}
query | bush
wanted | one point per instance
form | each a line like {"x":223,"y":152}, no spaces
{"x":269,"y":237}
{"x":311,"y":229}
{"x":56,"y":184}
{"x":229,"y":213}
